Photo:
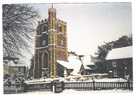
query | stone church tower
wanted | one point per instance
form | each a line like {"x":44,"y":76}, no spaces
{"x":50,"y":46}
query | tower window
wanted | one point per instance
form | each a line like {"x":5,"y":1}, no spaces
{"x":44,"y":42}
{"x":114,"y":64}
{"x":38,"y":30}
{"x":45,"y":28}
{"x":60,"y":29}
{"x":61,"y":42}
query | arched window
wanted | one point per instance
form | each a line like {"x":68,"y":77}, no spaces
{"x":62,"y":42}
{"x":45,"y":28}
{"x":45,"y":63}
{"x":38,"y":30}
{"x":43,"y":42}
{"x":114,"y":64}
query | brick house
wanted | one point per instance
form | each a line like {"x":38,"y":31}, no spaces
{"x":120,"y":62}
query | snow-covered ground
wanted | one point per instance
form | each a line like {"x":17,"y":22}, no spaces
{"x":76,"y":79}
{"x":110,"y":80}
{"x":73,"y":92}
{"x":96,"y":91}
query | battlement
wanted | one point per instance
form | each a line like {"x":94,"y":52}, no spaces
{"x":61,"y":22}
{"x":42,"y":21}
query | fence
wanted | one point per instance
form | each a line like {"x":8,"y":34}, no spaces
{"x":98,"y":85}
{"x":13,"y":89}
{"x":35,"y":87}
{"x":60,"y":86}
{"x":57,"y":86}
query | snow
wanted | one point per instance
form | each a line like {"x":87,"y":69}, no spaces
{"x":85,"y":79}
{"x":120,"y":53}
{"x":44,"y":80}
{"x":65,"y":64}
{"x":71,"y":91}
{"x":86,"y":67}
{"x":76,"y":78}
{"x":12,"y":64}
{"x":75,"y":92}
{"x":73,"y":63}
{"x":79,"y":92}
{"x":110,"y":80}
{"x":38,"y":81}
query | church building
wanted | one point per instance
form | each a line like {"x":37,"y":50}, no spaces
{"x":50,"y":46}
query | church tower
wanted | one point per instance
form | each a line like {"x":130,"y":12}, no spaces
{"x":50,"y":46}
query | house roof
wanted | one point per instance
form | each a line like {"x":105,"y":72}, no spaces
{"x":12,"y":64}
{"x":72,"y":63}
{"x":120,"y":53}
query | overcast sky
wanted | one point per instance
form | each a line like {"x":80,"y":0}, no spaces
{"x":90,"y":25}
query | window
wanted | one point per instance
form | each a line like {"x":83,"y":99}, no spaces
{"x":44,"y":42}
{"x":60,"y":29}
{"x":61,"y":42}
{"x":114,"y":64}
{"x":64,"y":28}
{"x":45,"y":28}
{"x":115,"y":73}
{"x":38,"y":30}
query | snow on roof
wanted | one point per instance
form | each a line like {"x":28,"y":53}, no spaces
{"x":12,"y":64}
{"x":72,"y":63}
{"x":111,"y":80}
{"x":64,"y":63}
{"x":38,"y":81}
{"x":86,"y":67}
{"x":120,"y":53}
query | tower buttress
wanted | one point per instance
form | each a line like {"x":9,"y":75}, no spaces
{"x":50,"y":46}
{"x":52,"y":41}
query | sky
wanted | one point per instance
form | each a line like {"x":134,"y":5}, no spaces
{"x":89,"y":25}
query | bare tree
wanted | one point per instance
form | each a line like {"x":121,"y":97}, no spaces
{"x":18,"y":25}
